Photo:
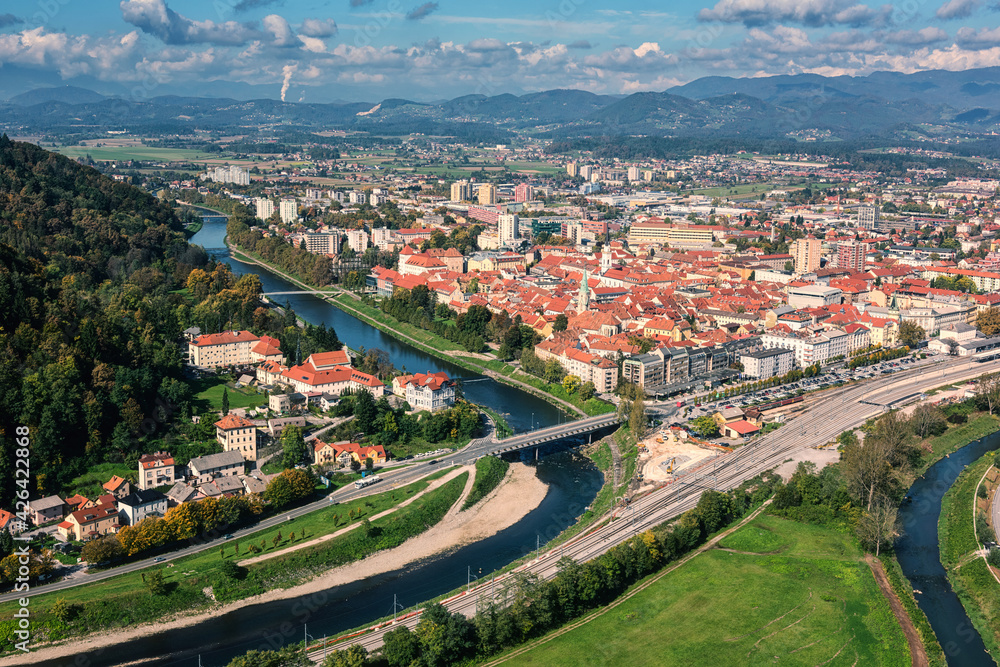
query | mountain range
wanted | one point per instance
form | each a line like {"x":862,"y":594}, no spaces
{"x":928,"y":105}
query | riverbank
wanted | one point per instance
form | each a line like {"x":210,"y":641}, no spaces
{"x":520,"y":493}
{"x":431,"y":344}
{"x":961,"y":554}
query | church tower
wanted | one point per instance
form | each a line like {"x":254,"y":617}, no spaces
{"x":583,"y":301}
{"x":605,"y":260}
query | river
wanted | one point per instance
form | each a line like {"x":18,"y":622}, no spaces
{"x":522,"y":410}
{"x":573,"y":483}
{"x":919,"y":556}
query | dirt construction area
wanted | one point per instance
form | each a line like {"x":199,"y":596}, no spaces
{"x":662,"y":456}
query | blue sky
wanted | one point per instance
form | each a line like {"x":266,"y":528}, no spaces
{"x":373,"y":49}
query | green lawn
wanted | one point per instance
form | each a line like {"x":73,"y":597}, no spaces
{"x":208,"y":395}
{"x":978,"y":426}
{"x":815,"y":603}
{"x":89,"y":483}
{"x":969,"y":576}
{"x":123,"y":600}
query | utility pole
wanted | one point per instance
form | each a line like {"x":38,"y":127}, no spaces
{"x":395,"y":604}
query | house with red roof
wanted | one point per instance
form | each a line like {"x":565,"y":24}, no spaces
{"x":92,"y":522}
{"x":231,"y":348}
{"x":430,"y":391}
{"x":237,"y":434}
{"x":343,"y":453}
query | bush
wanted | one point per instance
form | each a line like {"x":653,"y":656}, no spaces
{"x":490,"y":471}
{"x":993,"y":557}
{"x":983,"y":530}
{"x":230,"y":570}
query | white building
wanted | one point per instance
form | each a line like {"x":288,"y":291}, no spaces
{"x":228,"y":174}
{"x":813,"y":296}
{"x":381,"y":236}
{"x":323,"y":244}
{"x":634,"y":174}
{"x":808,"y":350}
{"x":868,"y":216}
{"x":289,"y":210}
{"x":140,"y":504}
{"x":430,"y":391}
{"x":508,"y":228}
{"x":357,"y":239}
{"x":265,"y":208}
{"x":766,"y":364}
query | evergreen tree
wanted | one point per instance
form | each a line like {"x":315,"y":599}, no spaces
{"x":225,"y":401}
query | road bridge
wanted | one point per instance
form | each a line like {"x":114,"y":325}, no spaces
{"x":541,"y":436}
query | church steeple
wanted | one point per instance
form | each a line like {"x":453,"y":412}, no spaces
{"x":583,"y":301}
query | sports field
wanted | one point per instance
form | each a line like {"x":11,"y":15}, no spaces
{"x":788,"y":593}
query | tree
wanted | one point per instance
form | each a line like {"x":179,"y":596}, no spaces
{"x":225,"y":401}
{"x":705,"y":426}
{"x":571,"y":383}
{"x":554,"y":372}
{"x":289,"y":486}
{"x":587,"y":391}
{"x":293,"y":446}
{"x":988,"y":392}
{"x":927,"y":420}
{"x":789,"y":267}
{"x":289,"y":656}
{"x":879,"y":526}
{"x":561,"y":322}
{"x":155,"y":583}
{"x":637,"y":417}
{"x":365,"y":412}
{"x":988,"y":321}
{"x":102,"y":550}
{"x":352,"y":656}
{"x":910,"y":333}
{"x":369,"y":464}
{"x":400,"y":648}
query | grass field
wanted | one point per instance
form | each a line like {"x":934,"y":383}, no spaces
{"x":137,"y":153}
{"x":969,"y":576}
{"x":124,"y":600}
{"x":208,"y":395}
{"x":89,"y":483}
{"x":814,"y":603}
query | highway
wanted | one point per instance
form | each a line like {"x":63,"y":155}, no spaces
{"x":843,"y":408}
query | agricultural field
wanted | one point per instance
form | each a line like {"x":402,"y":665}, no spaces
{"x":138,"y":153}
{"x":787,"y":593}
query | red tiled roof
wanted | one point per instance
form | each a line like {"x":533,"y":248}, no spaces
{"x":224,"y":338}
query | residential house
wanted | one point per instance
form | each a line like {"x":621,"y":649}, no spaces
{"x":211,"y":466}
{"x":430,"y":391}
{"x":117,"y":486}
{"x":237,"y":434}
{"x":156,"y":470}
{"x":86,"y":524}
{"x":10,"y":521}
{"x":231,"y":348}
{"x":727,"y":416}
{"x":343,"y":453}
{"x":181,"y":493}
{"x":140,"y":504}
{"x":44,"y":510}
{"x":276,"y":426}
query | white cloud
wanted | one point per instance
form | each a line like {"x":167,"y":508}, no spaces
{"x":982,"y":38}
{"x":957,"y":9}
{"x":279,"y":29}
{"x":155,"y":18}
{"x":813,"y":13}
{"x":321,"y":28}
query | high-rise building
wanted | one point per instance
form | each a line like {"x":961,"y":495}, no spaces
{"x":851,"y":255}
{"x":230,"y":174}
{"x":523,"y":192}
{"x":868,"y":216}
{"x":508,"y":228}
{"x":634,"y":174}
{"x":358,"y":240}
{"x":265,"y":207}
{"x":323,"y":244}
{"x":572,"y":168}
{"x":461,"y":191}
{"x":487,"y":194}
{"x":289,"y":209}
{"x":806,"y":252}
{"x":586,"y":171}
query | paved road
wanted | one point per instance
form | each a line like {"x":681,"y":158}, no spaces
{"x":819,"y":425}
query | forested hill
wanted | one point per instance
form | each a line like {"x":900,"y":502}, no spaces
{"x":89,"y":325}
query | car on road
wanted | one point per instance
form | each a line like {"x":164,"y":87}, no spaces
{"x":159,"y":559}
{"x":228,"y":536}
